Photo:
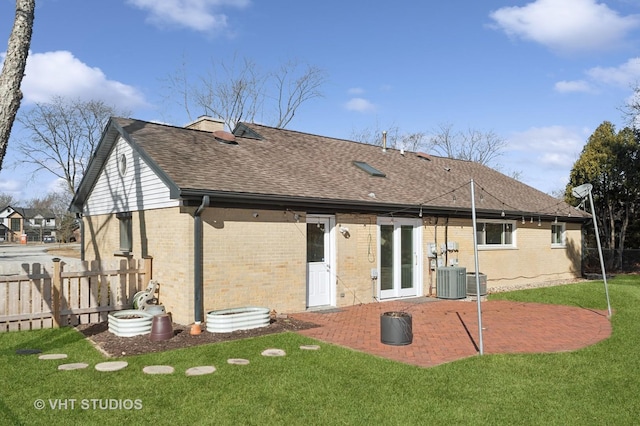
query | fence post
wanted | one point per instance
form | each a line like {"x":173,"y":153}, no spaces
{"x":57,"y":287}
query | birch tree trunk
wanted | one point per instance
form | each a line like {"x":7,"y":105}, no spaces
{"x":15,"y":63}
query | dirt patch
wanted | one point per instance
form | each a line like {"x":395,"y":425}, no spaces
{"x":64,"y":252}
{"x":114,"y":346}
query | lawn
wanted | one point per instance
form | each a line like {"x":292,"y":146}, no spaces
{"x":596,"y":385}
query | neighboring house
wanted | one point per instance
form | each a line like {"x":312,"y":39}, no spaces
{"x":293,"y":221}
{"x":34,"y":225}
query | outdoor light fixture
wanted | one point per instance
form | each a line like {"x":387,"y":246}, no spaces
{"x":582,"y":192}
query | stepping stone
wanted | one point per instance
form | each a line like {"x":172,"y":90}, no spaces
{"x":310,"y":347}
{"x":28,"y":351}
{"x":273,"y":352}
{"x":201,"y":370}
{"x":158,"y":369}
{"x":53,"y":356}
{"x":238,"y":361}
{"x":73,"y":366}
{"x":111,"y":365}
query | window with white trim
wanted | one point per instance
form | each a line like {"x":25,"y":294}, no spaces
{"x":558,"y":234}
{"x":496,"y":233}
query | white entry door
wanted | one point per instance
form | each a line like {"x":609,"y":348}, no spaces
{"x":319,"y":260}
{"x":400,"y":259}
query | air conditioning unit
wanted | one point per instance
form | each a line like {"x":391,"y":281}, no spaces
{"x":472,"y":288}
{"x":451,"y":282}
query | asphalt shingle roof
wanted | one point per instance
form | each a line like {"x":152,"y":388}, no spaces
{"x":286,"y":163}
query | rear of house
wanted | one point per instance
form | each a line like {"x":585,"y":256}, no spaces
{"x":292,"y":221}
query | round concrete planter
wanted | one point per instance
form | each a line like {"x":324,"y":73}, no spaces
{"x":396,"y":328}
{"x":130,"y":322}
{"x":228,"y":320}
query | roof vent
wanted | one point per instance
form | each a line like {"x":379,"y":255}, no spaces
{"x":423,"y":155}
{"x":225,"y":137}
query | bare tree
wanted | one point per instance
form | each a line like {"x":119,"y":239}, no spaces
{"x":374,"y":135}
{"x":13,"y":68}
{"x":7,"y":200}
{"x":63,"y":135}
{"x":240,"y":91}
{"x":296,"y":83}
{"x":230,"y":93}
{"x":472,"y":145}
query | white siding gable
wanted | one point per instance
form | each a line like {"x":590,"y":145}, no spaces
{"x":127,"y":186}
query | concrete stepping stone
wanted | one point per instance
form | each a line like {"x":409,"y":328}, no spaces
{"x":200,"y":370}
{"x":53,"y":356}
{"x":238,"y":361}
{"x":73,"y":366}
{"x":111,"y":365}
{"x":310,"y":347}
{"x":158,"y":369}
{"x":273,"y":352}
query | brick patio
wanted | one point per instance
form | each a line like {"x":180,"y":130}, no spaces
{"x":447,"y":330}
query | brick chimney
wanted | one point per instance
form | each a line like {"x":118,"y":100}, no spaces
{"x":207,"y":124}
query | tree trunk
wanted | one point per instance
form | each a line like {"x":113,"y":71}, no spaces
{"x":623,"y":235}
{"x":15,"y":63}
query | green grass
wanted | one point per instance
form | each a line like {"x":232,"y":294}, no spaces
{"x":597,"y":385}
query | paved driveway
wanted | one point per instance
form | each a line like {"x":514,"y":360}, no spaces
{"x":447,"y":330}
{"x":12,"y":256}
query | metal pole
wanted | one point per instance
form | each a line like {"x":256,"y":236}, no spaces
{"x":604,"y":274}
{"x":475,"y":255}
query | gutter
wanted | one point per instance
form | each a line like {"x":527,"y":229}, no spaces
{"x":197,"y":266}
{"x":192,"y":197}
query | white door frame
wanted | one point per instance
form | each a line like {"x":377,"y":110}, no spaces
{"x":330,"y":246}
{"x":396,"y":291}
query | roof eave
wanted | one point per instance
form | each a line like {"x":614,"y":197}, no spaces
{"x":193,"y":197}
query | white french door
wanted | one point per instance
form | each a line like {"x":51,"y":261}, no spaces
{"x":399,"y":257}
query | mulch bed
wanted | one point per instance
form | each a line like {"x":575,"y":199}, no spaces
{"x":114,"y":346}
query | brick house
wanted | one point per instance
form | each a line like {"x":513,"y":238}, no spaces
{"x":34,"y":224}
{"x":293,"y":221}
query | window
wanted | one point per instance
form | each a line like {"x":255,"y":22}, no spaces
{"x":369,"y":169}
{"x":15,"y":224}
{"x":557,"y":234}
{"x":495,"y":233}
{"x":122,"y":164}
{"x":126,"y":232}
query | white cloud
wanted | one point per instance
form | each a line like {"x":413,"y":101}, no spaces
{"x":624,"y":76}
{"x":545,"y":155}
{"x":355,"y":91}
{"x":11,"y":186}
{"x":573,"y":86}
{"x":198,"y":15}
{"x":553,"y":146}
{"x":61,"y":74}
{"x":360,"y":105}
{"x":567,"y":25}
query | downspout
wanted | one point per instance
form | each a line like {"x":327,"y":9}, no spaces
{"x":81,"y":225}
{"x":197,"y":265}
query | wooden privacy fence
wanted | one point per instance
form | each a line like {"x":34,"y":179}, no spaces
{"x":43,"y":296}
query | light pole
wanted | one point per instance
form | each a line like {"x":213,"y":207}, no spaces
{"x":582,"y":192}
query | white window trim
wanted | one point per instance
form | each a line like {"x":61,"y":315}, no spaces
{"x":514,"y":233}
{"x":562,"y":244}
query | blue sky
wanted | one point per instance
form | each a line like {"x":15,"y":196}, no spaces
{"x":542,"y":74}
